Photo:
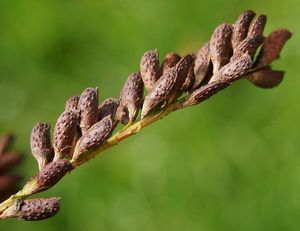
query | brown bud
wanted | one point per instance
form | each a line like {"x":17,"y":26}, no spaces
{"x":88,"y":107}
{"x":150,"y":69}
{"x":32,"y":209}
{"x":250,"y":45}
{"x":241,"y":27}
{"x":190,"y":79}
{"x":40,"y":143}
{"x":5,"y":141}
{"x":72,"y":103}
{"x":64,"y":133}
{"x":170,"y":60}
{"x":52,"y":173}
{"x":257,"y":26}
{"x":234,"y":70}
{"x":220,"y":46}
{"x":168,"y":87}
{"x":94,"y":137}
{"x":205,"y":92}
{"x":8,"y":184}
{"x":107,"y":107}
{"x":131,"y":98}
{"x":266,"y":78}
{"x":272,"y":46}
{"x":201,"y":67}
{"x":9,"y":160}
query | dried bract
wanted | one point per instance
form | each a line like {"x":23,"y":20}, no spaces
{"x":266,"y":78}
{"x":64,"y":133}
{"x":40,"y":143}
{"x":220,"y":46}
{"x":94,"y":137}
{"x":88,"y":106}
{"x":170,"y":60}
{"x":241,"y":27}
{"x":131,"y":98}
{"x":33,"y":209}
{"x":272,"y":46}
{"x":257,"y":27}
{"x":52,"y":173}
{"x":202,"y":63}
{"x":150,"y":69}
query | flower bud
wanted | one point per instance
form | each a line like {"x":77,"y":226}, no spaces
{"x":170,"y":60}
{"x":257,"y":27}
{"x":52,"y":173}
{"x":150,"y":69}
{"x":107,"y":107}
{"x":72,"y":103}
{"x":64,"y":133}
{"x":40,"y":143}
{"x":88,"y":107}
{"x":202,"y":63}
{"x":220,"y":46}
{"x":241,"y":27}
{"x":94,"y":137}
{"x":32,"y":209}
{"x":131,"y":98}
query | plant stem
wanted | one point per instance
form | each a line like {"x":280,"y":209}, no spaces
{"x":29,"y":187}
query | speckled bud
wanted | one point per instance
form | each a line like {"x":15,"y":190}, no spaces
{"x":250,"y":45}
{"x":190,"y":79}
{"x":202,"y":63}
{"x":9,"y":160}
{"x":205,"y":92}
{"x":131,"y":98}
{"x":257,"y":26}
{"x":233,"y":70}
{"x":220,"y":46}
{"x":72,"y":103}
{"x":266,"y":78}
{"x":168,"y":87}
{"x":272,"y":46}
{"x":32,"y":209}
{"x":40,"y":143}
{"x":64,"y":133}
{"x":108,"y":107}
{"x":52,"y":173}
{"x":88,"y":107}
{"x":150,"y":69}
{"x":241,"y":27}
{"x":170,"y":60}
{"x":5,"y":141}
{"x":94,"y":137}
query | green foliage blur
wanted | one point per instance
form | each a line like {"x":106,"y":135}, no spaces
{"x":232,"y":163}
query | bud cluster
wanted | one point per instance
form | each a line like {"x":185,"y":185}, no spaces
{"x":86,"y":124}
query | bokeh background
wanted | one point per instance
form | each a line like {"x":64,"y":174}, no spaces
{"x":232,"y":163}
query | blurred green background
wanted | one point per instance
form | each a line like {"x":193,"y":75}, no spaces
{"x":230,"y":164}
